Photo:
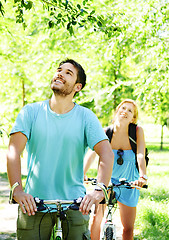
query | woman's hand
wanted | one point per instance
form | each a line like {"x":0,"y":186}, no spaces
{"x":140,"y":182}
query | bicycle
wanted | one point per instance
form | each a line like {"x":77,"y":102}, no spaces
{"x":109,"y":232}
{"x":109,"y":228}
{"x":60,"y":207}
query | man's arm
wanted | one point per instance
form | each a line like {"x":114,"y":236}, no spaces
{"x":17,"y":144}
{"x":106,"y":159}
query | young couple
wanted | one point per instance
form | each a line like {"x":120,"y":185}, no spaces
{"x":57,"y":133}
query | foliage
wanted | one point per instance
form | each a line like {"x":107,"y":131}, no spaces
{"x":122,"y":45}
{"x":61,"y":13}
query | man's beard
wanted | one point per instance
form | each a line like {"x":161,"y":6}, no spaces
{"x":62,"y":92}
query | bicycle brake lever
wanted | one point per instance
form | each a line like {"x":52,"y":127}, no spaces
{"x":39,"y":204}
{"x":145,"y":186}
{"x":76,"y":204}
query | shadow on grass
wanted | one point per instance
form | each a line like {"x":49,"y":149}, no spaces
{"x":155,"y":225}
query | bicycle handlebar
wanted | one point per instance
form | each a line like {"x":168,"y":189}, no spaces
{"x":42,"y":204}
{"x":122,"y":183}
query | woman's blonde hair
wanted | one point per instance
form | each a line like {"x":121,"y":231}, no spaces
{"x":135,"y":116}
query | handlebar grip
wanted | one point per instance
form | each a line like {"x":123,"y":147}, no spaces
{"x":91,"y":179}
{"x":145,"y":186}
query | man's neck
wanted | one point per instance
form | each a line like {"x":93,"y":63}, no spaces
{"x":61,"y":105}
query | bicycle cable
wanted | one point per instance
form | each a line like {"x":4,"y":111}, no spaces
{"x":48,"y":211}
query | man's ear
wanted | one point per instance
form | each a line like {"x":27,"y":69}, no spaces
{"x":78,"y":87}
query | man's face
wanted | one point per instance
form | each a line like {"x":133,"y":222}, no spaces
{"x":64,"y":80}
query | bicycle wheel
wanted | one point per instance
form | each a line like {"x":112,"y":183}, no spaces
{"x":109,"y":233}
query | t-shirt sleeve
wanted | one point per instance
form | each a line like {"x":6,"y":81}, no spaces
{"x":93,"y":130}
{"x":23,"y":122}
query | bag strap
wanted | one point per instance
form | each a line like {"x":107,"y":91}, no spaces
{"x":109,"y":132}
{"x":132,"y":135}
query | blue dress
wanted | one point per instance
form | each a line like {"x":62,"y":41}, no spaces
{"x":128,"y":171}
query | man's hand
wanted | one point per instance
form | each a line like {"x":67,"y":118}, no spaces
{"x":94,"y":197}
{"x":25,"y":201}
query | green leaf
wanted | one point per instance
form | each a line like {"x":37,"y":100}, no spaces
{"x":99,"y":24}
{"x":51,"y":24}
{"x":78,"y":5}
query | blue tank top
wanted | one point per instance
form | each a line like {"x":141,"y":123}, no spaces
{"x":128,"y":171}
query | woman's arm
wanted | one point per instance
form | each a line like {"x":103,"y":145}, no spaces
{"x":141,"y":155}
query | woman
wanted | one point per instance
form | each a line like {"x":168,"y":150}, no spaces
{"x":125,"y":114}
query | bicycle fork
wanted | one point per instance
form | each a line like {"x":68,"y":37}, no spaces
{"x":109,"y":228}
{"x":58,"y":230}
{"x":58,"y":235}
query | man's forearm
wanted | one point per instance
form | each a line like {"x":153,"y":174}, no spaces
{"x":105,"y":168}
{"x":14,"y":169}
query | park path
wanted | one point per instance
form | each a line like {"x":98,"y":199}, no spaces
{"x":8,"y":213}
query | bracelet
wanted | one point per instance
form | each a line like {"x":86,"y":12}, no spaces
{"x":100,"y":187}
{"x":144,"y":177}
{"x":11,"y":192}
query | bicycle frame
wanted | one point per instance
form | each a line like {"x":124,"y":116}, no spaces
{"x":109,"y":228}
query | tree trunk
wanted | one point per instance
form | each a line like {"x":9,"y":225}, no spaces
{"x":161,"y":147}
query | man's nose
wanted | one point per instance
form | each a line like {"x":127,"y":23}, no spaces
{"x":59,"y":74}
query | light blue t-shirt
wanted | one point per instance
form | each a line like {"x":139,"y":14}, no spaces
{"x":56,"y":146}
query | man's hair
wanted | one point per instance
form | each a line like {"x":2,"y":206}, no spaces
{"x":81,"y":75}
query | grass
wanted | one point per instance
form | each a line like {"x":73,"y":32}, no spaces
{"x":153,"y":208}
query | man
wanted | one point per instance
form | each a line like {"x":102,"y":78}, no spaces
{"x":57,"y":133}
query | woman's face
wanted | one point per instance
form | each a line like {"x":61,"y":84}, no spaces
{"x":125,"y":112}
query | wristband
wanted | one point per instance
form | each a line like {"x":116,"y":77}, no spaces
{"x":144,"y":177}
{"x":11,"y":192}
{"x":100,"y":187}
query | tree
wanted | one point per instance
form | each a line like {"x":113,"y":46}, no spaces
{"x":114,"y":42}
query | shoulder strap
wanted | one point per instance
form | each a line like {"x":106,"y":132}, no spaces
{"x":109,"y":133}
{"x":132,"y":137}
